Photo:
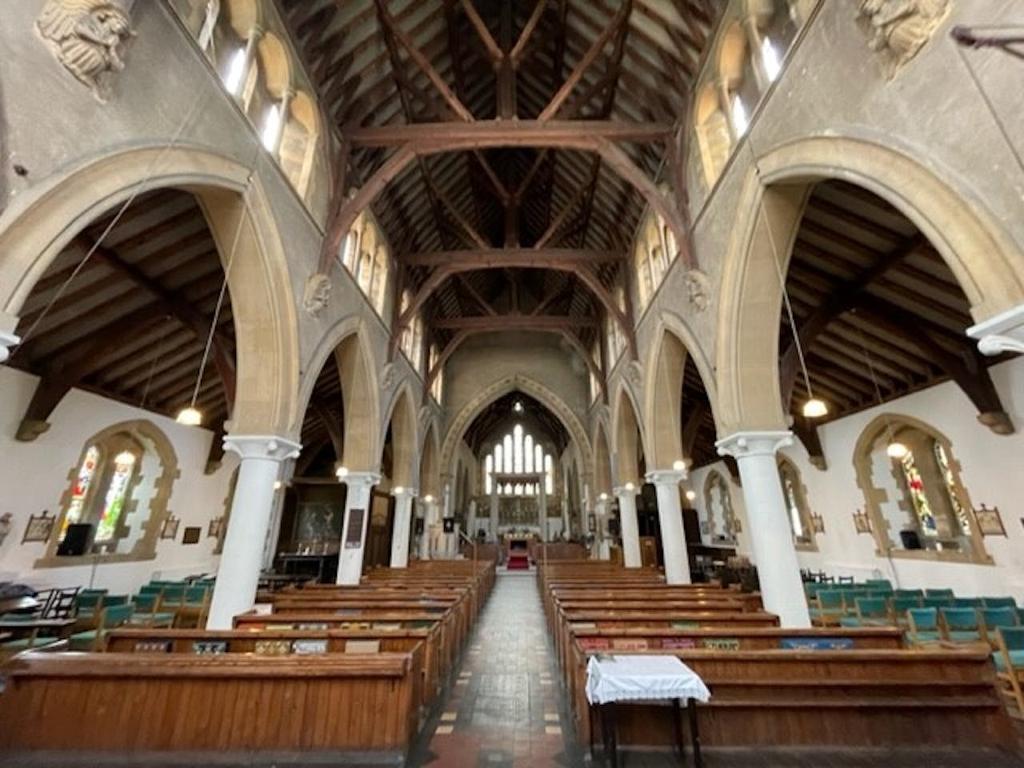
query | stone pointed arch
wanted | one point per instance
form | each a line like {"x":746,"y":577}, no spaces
{"x":987,"y":264}
{"x":674,"y":343}
{"x":40,"y":223}
{"x":627,"y":437}
{"x":602,"y":461}
{"x":430,"y":467}
{"x":401,"y":417}
{"x":539,"y":392}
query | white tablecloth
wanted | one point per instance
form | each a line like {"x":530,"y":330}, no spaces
{"x":633,"y":678}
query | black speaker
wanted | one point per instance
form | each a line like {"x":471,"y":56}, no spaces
{"x":910,"y":540}
{"x":76,"y":540}
{"x":613,"y":526}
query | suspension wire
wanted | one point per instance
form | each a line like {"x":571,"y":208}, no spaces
{"x":136,"y":191}
{"x":785,"y":298}
{"x":874,"y":380}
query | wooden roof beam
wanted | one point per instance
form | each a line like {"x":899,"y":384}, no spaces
{"x":528,"y":258}
{"x":514,"y":321}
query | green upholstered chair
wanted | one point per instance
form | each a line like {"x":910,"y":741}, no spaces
{"x":923,"y":626}
{"x":881,"y":586}
{"x":1009,"y":661}
{"x":918,"y":593}
{"x":871,"y":612}
{"x":947,"y":593}
{"x":829,"y":609}
{"x":960,"y":625}
{"x":968,"y":602}
{"x":1000,"y":602}
{"x":898,"y":607}
{"x":936,"y":602}
{"x":110,"y":617}
{"x":994,"y":619}
{"x":29,"y":638}
{"x":88,"y":601}
{"x":145,"y":612}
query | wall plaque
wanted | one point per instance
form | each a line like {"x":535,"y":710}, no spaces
{"x":354,"y":532}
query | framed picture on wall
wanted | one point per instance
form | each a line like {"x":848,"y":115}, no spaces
{"x":861,"y":521}
{"x":990,"y":522}
{"x":169,"y":530}
{"x":39,"y":527}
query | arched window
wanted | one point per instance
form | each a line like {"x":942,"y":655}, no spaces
{"x":437,"y":386}
{"x":914,"y":495}
{"x":800,"y":521}
{"x":528,"y":454}
{"x":298,"y":145}
{"x":517,"y":449}
{"x":549,"y":474}
{"x":519,"y":453}
{"x":120,"y":487}
{"x":488,"y":472}
{"x":721,"y":519}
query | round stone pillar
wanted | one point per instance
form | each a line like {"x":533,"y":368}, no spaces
{"x":402,"y":527}
{"x":778,"y":569}
{"x":357,"y":516}
{"x":628,"y":527}
{"x":670,"y":517}
{"x":242,"y":557}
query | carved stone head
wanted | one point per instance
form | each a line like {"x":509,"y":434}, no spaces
{"x":317,"y":294}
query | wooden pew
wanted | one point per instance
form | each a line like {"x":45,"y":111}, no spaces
{"x":360,"y":706}
{"x":426,"y":655}
{"x":824,"y":698}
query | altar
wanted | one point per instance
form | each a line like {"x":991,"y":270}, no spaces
{"x":517,"y":550}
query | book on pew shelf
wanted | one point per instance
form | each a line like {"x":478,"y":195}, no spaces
{"x":684,"y":624}
{"x":209,"y":647}
{"x":629,"y":644}
{"x":582,"y":625}
{"x":273,"y":647}
{"x":387,"y":626}
{"x":721,"y":643}
{"x":348,"y":611}
{"x":678,"y":643}
{"x":362,"y":646}
{"x":595,"y":643}
{"x":280,"y":626}
{"x":153,"y":646}
{"x":309,"y":647}
{"x":318,"y":627}
{"x":421,"y":624}
{"x":354,"y":625}
{"x":816,"y":643}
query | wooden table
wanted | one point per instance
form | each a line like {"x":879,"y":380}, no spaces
{"x":24,"y":604}
{"x":62,"y":626}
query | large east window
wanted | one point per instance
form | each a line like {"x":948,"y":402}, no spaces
{"x":517,"y":466}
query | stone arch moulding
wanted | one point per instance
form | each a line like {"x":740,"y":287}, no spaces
{"x":40,"y":224}
{"x":534,"y":389}
{"x":405,"y":439}
{"x":624,"y":392}
{"x":145,"y":432}
{"x":602,"y":459}
{"x":985,"y":261}
{"x":874,"y":496}
{"x":429,"y":468}
{"x":656,"y":381}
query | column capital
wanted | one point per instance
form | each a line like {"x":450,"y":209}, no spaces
{"x":269,"y":447}
{"x":360,"y":479}
{"x":666,"y":476}
{"x":627,"y":490}
{"x":404,"y":493}
{"x":754,"y":443}
{"x":1002,"y":333}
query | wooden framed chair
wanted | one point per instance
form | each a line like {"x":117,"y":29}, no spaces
{"x":145,"y":614}
{"x":968,"y":602}
{"x":923,"y":626}
{"x":994,"y":619}
{"x":1000,"y":602}
{"x":960,"y":625}
{"x":871,"y":612}
{"x":194,"y":607}
{"x":829,"y":609}
{"x":110,"y":617}
{"x":908,"y":593}
{"x":898,"y":607}
{"x":939,"y":593}
{"x":936,"y":602}
{"x":1009,"y":661}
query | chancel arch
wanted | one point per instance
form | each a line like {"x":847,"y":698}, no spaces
{"x":402,"y":425}
{"x":628,"y":458}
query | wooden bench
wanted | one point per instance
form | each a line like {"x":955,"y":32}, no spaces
{"x":361,"y":708}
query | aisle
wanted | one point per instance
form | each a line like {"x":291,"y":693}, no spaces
{"x":505,"y":708}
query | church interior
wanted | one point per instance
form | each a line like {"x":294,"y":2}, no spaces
{"x":505,"y":383}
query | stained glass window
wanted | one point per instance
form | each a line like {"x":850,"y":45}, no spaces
{"x":117,"y":494}
{"x":517,"y":449}
{"x":915,"y":487}
{"x":508,"y":453}
{"x":549,"y":475}
{"x":80,"y":490}
{"x":950,"y":482}
{"x":528,"y":453}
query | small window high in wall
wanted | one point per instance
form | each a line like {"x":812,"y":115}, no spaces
{"x":720,"y":519}
{"x":366,"y":255}
{"x":801,"y":522}
{"x":914,"y":495}
{"x":120,"y":487}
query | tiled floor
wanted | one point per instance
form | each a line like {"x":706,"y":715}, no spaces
{"x":506,"y":709}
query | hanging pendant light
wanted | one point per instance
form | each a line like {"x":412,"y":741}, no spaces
{"x":815,"y":408}
{"x":190,"y":417}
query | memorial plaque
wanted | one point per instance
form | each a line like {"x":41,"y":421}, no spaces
{"x":354,"y":533}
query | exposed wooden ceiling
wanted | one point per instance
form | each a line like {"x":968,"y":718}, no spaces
{"x":500,"y":416}
{"x":132,"y":321}
{"x":393,"y":62}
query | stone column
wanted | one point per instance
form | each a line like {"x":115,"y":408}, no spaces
{"x":778,"y":569}
{"x":242,"y":558}
{"x":429,"y":519}
{"x":565,"y":519}
{"x":495,"y":508}
{"x":542,"y":510}
{"x":350,"y":557}
{"x":274,"y":530}
{"x":1002,"y":333}
{"x":286,"y":108}
{"x":600,"y":550}
{"x":670,"y":517}
{"x":7,"y":340}
{"x":471,"y":524}
{"x":628,"y":526}
{"x":401,"y":530}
